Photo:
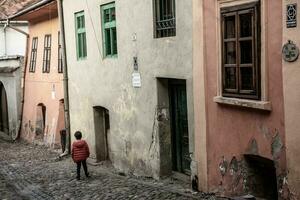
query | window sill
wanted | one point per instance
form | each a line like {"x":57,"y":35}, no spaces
{"x":260,"y":105}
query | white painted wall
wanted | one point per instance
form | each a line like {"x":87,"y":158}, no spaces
{"x":15,"y":42}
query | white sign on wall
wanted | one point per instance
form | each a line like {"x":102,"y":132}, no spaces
{"x":136,"y":80}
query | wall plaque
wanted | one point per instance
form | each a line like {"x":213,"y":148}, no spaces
{"x":290,"y":52}
{"x":291,"y":15}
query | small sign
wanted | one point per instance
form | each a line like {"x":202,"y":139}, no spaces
{"x":290,"y":52}
{"x":291,"y":15}
{"x":136,"y":80}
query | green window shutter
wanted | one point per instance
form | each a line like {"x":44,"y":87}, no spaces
{"x":109,"y":30}
{"x":80,"y":35}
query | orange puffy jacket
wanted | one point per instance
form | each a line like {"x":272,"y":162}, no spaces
{"x":80,"y":150}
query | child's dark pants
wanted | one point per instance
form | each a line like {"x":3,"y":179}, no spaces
{"x":84,"y":168}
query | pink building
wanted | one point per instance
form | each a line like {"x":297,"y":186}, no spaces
{"x":238,"y":94}
{"x":43,"y":115}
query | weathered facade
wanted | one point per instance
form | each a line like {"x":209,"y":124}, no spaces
{"x":130,"y":83}
{"x":291,"y":75}
{"x":239,"y":111}
{"x":12,"y":50}
{"x":43,"y":115}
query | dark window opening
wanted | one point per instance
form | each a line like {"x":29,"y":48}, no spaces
{"x":240,"y":51}
{"x":47,"y":54}
{"x":33,"y":55}
{"x":164,"y":18}
{"x":60,"y":60}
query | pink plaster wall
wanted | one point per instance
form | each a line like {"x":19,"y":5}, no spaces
{"x":230,"y":130}
{"x":40,"y":86}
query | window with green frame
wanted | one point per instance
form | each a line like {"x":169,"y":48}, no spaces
{"x":80,"y":35}
{"x":109,"y":31}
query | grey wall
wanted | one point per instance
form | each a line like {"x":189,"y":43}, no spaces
{"x":12,"y":85}
{"x":97,"y":81}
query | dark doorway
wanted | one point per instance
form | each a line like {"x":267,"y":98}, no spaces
{"x":179,"y":126}
{"x":4,"y":127}
{"x":261,"y":178}
{"x":101,"y":123}
{"x":40,"y":121}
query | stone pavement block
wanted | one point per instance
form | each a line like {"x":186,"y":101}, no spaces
{"x":33,"y":172}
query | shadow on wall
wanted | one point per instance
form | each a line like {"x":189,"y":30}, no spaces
{"x":4,"y":126}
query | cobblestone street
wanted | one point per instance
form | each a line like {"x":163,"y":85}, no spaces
{"x":33,"y":172}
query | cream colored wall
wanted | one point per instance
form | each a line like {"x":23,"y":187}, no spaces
{"x":106,"y":82}
{"x":199,"y":95}
{"x":46,"y":88}
{"x":291,"y":84}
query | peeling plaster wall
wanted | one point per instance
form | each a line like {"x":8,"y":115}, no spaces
{"x":133,"y":138}
{"x":291,"y":85}
{"x":45,"y":88}
{"x":233,"y":131}
{"x":12,"y":84}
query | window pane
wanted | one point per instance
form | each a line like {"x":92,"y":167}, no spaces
{"x":107,"y":42}
{"x":113,"y":14}
{"x":114,"y":41}
{"x":84,"y":50}
{"x":230,"y":78}
{"x":246,"y":78}
{"x":246,"y":25}
{"x":80,"y":45}
{"x":246,"y":51}
{"x":82,"y":21}
{"x":230,"y":53}
{"x":106,"y":15}
{"x":78,"y":22}
{"x":229,"y":27}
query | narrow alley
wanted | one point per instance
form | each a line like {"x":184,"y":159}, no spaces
{"x":33,"y":172}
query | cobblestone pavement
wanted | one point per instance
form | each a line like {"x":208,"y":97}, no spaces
{"x":33,"y":172}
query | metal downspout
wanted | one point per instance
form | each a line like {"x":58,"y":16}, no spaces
{"x":65,"y":80}
{"x":4,"y":32}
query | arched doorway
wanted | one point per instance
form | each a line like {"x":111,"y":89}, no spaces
{"x":40,"y":121}
{"x":4,"y":127}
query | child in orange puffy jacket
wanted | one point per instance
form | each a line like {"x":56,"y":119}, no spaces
{"x":80,"y":152}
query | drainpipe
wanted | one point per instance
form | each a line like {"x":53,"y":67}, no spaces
{"x":65,"y":80}
{"x":23,"y":74}
{"x":4,"y":32}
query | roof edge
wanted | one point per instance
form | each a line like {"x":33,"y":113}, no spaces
{"x":30,"y":8}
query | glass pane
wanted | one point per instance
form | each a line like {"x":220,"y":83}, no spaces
{"x":80,"y":45}
{"x":82,"y":21}
{"x":229,"y":27}
{"x":114,"y":41}
{"x":246,"y":25}
{"x":246,"y":51}
{"x":107,"y":42}
{"x":78,"y":22}
{"x":113,"y":14}
{"x":230,"y":78}
{"x":84,"y":51}
{"x":106,"y":15}
{"x":230,"y":53}
{"x":246,"y":78}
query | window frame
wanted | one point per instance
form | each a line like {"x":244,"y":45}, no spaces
{"x":59,"y":58}
{"x":108,"y":25}
{"x":161,"y":32}
{"x":236,"y":11}
{"x":47,"y":53}
{"x":33,"y":55}
{"x":78,"y":31}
